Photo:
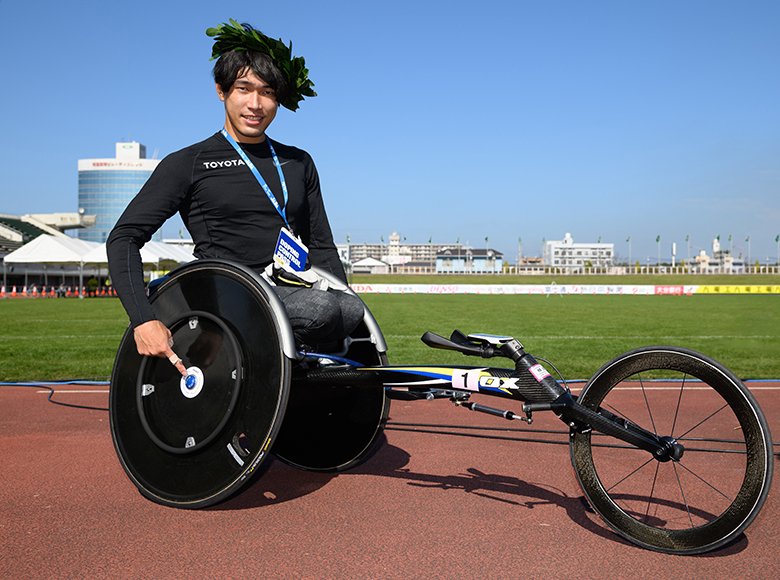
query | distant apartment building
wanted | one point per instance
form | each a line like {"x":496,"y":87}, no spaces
{"x":568,"y":254}
{"x":396,"y":251}
{"x":106,"y":186}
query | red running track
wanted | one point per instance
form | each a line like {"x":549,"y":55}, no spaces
{"x":426,"y":505}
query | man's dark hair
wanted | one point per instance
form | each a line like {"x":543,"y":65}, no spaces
{"x":236,"y":63}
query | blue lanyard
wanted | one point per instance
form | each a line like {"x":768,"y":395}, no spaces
{"x":283,"y":209}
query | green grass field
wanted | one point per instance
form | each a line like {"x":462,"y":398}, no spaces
{"x":61,"y":339}
{"x":580,"y":333}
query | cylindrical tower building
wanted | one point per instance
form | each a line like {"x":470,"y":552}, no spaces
{"x":106,"y":186}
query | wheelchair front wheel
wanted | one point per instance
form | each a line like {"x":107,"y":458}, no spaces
{"x":715,"y":490}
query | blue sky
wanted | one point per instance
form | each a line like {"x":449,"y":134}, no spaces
{"x":435,"y":119}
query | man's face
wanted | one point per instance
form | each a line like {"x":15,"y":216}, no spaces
{"x":250,"y":106}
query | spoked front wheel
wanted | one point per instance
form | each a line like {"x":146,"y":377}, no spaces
{"x":714,"y":491}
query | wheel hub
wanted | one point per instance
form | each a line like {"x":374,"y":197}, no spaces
{"x":671,"y":451}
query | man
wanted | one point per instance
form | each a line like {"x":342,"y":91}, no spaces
{"x":235,"y":192}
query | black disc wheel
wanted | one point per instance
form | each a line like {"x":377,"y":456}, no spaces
{"x":333,"y":428}
{"x":191,"y":442}
{"x":690,"y":504}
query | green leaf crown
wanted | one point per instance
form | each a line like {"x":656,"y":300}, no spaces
{"x":234,"y":36}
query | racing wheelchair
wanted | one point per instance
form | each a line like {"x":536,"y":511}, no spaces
{"x":250,"y":392}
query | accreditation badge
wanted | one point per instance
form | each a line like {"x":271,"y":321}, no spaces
{"x":290,"y":251}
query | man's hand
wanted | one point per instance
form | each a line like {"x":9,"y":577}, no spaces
{"x":154,"y":339}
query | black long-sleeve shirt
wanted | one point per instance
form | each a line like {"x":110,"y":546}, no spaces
{"x":226,"y":211}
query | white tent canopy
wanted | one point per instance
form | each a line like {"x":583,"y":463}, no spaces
{"x":57,"y":250}
{"x":46,"y":249}
{"x":50,"y":250}
{"x":168,"y":252}
{"x":370,"y":266}
{"x":151,"y":253}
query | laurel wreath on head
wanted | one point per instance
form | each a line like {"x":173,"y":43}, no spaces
{"x":234,"y":36}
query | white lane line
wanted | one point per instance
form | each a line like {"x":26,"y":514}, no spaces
{"x":687,"y":388}
{"x":51,"y":336}
{"x":672,"y":337}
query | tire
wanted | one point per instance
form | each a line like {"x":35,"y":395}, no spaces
{"x":714,"y":491}
{"x":193,"y":445}
{"x":334,"y":428}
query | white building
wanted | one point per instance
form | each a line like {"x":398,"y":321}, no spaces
{"x":570,"y":255}
{"x":721,"y":260}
